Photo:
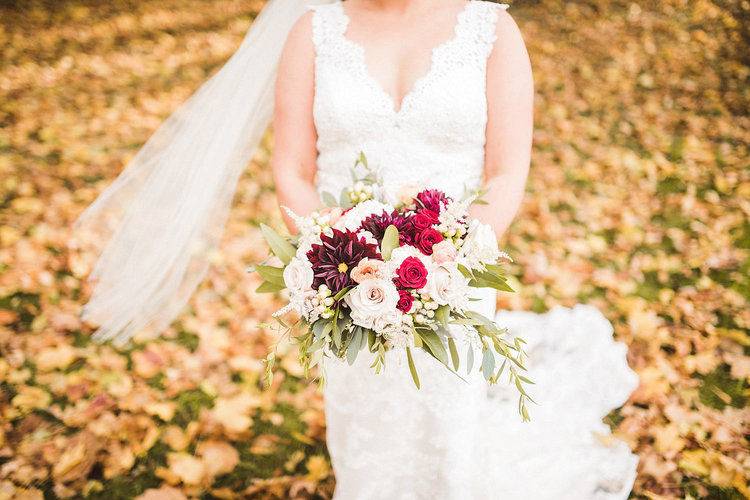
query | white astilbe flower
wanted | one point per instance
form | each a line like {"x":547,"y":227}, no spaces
{"x":466,"y":335}
{"x":400,"y":335}
{"x":452,"y":216}
{"x":505,"y":256}
{"x":304,"y":225}
{"x":299,"y":302}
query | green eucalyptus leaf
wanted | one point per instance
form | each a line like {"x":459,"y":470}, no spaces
{"x":435,"y":345}
{"x":344,"y":201}
{"x":316,"y":345}
{"x":280,"y":247}
{"x":328,"y":199}
{"x":480,"y":318}
{"x":271,"y":274}
{"x":496,"y":269}
{"x":454,"y":352}
{"x":469,"y":359}
{"x":412,"y":368}
{"x":501,"y":370}
{"x":486,"y":279}
{"x":267,"y":287}
{"x":465,"y":271}
{"x":442,"y":314}
{"x":354,"y":344}
{"x":488,"y":364}
{"x":322,"y":328}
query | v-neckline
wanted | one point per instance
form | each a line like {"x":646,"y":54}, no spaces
{"x":419,"y":82}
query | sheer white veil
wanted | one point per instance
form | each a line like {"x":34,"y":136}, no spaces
{"x":163,"y":216}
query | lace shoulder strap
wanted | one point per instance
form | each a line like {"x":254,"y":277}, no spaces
{"x":328,"y":24}
{"x":479,"y":28}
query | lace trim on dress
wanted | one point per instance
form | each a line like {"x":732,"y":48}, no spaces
{"x":474,"y":35}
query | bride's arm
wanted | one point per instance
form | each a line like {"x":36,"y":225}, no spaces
{"x":510,"y":100}
{"x":295,"y":153}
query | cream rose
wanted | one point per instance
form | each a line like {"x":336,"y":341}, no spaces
{"x":371,"y":301}
{"x":298,"y":275}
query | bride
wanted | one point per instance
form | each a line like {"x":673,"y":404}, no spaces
{"x":436,"y":93}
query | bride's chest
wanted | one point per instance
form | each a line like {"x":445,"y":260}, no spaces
{"x":446,"y":103}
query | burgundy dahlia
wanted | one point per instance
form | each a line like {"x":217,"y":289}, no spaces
{"x":432,"y":199}
{"x":333,"y":259}
{"x":377,"y":224}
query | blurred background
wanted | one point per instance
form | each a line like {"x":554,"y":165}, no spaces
{"x":638,"y":202}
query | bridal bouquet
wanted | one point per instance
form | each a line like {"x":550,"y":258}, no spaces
{"x":366,"y":274}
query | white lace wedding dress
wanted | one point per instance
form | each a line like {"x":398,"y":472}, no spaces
{"x":452,"y":439}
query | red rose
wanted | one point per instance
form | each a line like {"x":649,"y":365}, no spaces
{"x":405,"y":301}
{"x":411,"y":273}
{"x":424,"y":219}
{"x":427,"y":238}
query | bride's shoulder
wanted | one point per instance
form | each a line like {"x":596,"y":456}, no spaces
{"x":298,"y":45}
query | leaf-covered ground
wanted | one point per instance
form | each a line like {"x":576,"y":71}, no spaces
{"x":638,"y":202}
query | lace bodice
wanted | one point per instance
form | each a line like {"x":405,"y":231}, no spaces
{"x":435,"y":139}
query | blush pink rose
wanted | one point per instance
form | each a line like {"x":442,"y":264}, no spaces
{"x":368,"y":269}
{"x":443,"y":252}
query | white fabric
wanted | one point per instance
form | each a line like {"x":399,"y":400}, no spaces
{"x":164,"y":215}
{"x":452,"y":439}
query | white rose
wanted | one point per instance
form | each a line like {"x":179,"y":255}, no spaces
{"x":480,"y":246}
{"x":371,"y":301}
{"x":447,"y":286}
{"x":298,"y":275}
